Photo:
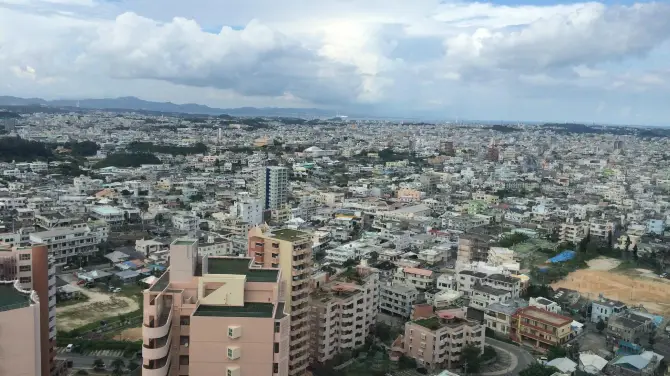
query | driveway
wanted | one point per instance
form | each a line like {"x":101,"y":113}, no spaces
{"x":512,"y":359}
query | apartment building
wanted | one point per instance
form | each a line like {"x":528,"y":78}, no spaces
{"x":630,"y":326}
{"x":20,"y":350}
{"x":539,"y":328}
{"x":603,"y":308}
{"x":33,"y":270}
{"x":343,"y":311}
{"x":572,"y":231}
{"x":397,"y":299}
{"x":601,"y":228}
{"x":498,"y":316}
{"x":291,"y":251}
{"x":66,"y":243}
{"x":272,"y":186}
{"x":214,"y":315}
{"x":418,"y":278}
{"x":187,"y":223}
{"x":438,"y":341}
{"x":248,"y":210}
{"x":545,"y":304}
{"x":473,"y":247}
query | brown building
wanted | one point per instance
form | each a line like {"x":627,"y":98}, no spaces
{"x":539,"y":328}
{"x":34,"y":270}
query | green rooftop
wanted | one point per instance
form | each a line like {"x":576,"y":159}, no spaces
{"x":11,"y":298}
{"x":289,"y":235}
{"x":260,"y":310}
{"x":183,"y":242}
{"x":240,"y":265}
{"x":432,"y":323}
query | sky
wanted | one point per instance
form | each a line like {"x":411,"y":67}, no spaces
{"x":514,"y":60}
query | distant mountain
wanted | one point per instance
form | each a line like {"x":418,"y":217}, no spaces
{"x":136,"y":104}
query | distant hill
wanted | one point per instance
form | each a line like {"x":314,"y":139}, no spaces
{"x":136,"y":104}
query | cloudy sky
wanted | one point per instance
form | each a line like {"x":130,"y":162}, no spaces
{"x":605,"y":61}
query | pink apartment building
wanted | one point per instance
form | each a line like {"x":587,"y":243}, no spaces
{"x":214,"y":316}
{"x":20,"y":353}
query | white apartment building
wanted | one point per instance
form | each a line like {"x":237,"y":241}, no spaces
{"x":572,"y":231}
{"x":349,"y":251}
{"x":545,"y":304}
{"x":343,"y":312}
{"x":109,"y":214}
{"x":601,"y":228}
{"x":447,"y":282}
{"x":498,"y":316}
{"x":11,"y":203}
{"x":397,"y":300}
{"x":188,"y":223}
{"x":248,"y":210}
{"x":272,"y":186}
{"x":83,"y":184}
{"x":420,"y":279}
{"x":65,"y":243}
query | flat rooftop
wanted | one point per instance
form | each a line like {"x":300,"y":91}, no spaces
{"x":289,"y":235}
{"x":545,"y":316}
{"x":184,"y":242}
{"x":258,"y":310}
{"x":11,"y":298}
{"x":240,"y":266}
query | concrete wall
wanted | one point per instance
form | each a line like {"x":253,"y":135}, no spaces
{"x":20,"y":353}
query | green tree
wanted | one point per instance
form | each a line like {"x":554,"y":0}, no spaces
{"x":556,"y":352}
{"x":538,"y":369}
{"x":374,"y":256}
{"x":600,"y":326}
{"x":98,"y":364}
{"x":406,"y":362}
{"x":117,"y":367}
{"x":471,"y":359}
{"x":383,"y":332}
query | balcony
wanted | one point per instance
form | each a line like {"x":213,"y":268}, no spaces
{"x":160,"y":329}
{"x":159,"y":367}
{"x":157,"y":348}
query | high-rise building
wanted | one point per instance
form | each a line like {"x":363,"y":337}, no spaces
{"x":272,"y":186}
{"x":214,"y":316}
{"x":33,"y":270}
{"x":20,"y":350}
{"x":291,"y":252}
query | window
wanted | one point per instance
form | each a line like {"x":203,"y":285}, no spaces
{"x":276,"y":348}
{"x":24,"y":256}
{"x":185,"y":320}
{"x":25,"y":280}
{"x":24,"y":268}
{"x":183,"y":360}
{"x":275,"y":368}
{"x":277,"y":327}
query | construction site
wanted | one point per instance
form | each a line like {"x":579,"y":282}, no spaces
{"x":634,"y":289}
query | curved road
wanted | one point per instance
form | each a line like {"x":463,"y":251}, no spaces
{"x":517,"y":358}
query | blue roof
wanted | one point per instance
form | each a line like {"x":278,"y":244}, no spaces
{"x":563,"y":256}
{"x":634,"y":361}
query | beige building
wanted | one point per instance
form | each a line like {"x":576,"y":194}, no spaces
{"x":473,"y":247}
{"x":291,"y":252}
{"x":214,"y":316}
{"x":438,"y":341}
{"x":572,"y":231}
{"x":33,"y":270}
{"x":342,"y":312}
{"x":417,"y":278}
{"x":540,"y":329}
{"x":20,"y":350}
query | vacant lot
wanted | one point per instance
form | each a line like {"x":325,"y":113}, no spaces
{"x":99,"y":307}
{"x":130,"y":334}
{"x":653,"y":294}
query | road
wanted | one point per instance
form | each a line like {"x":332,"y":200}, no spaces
{"x":518,"y":358}
{"x":86,"y":361}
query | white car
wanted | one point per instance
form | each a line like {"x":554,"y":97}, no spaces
{"x":69,"y":347}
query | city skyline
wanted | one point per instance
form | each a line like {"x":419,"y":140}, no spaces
{"x":602,"y":62}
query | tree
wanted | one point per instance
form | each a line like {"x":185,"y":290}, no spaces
{"x":600,"y":326}
{"x":538,"y":369}
{"x":609,"y":240}
{"x":628,"y":242}
{"x":470,"y":357}
{"x":98,"y":364}
{"x":374,"y":256}
{"x":82,"y":372}
{"x":635,"y":252}
{"x":117,"y":366}
{"x":406,"y":362}
{"x":383,"y":332}
{"x":652,"y":340}
{"x":556,"y":352}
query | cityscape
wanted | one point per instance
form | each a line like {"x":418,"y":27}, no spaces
{"x":157,"y":244}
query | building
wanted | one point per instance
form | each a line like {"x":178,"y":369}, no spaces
{"x":248,"y":210}
{"x":343,"y":311}
{"x":572,"y":231}
{"x":545,"y":304}
{"x":498,"y":316}
{"x":472,"y":248}
{"x":438,"y":341}
{"x":213,"y":316}
{"x":290,"y":251}
{"x":603,"y":308}
{"x":33,"y":270}
{"x":397,"y":299}
{"x":186,"y":223}
{"x":272,"y":187}
{"x":20,"y":350}
{"x":418,"y":278}
{"x":630,"y":326}
{"x":645,"y":364}
{"x":110,"y":214}
{"x":66,"y":244}
{"x":539,"y":328}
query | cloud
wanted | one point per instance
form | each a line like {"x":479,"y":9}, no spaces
{"x":367,"y":55}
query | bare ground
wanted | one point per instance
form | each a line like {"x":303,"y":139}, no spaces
{"x":130,"y":334}
{"x":99,"y":307}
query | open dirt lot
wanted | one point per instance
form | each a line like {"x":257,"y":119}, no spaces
{"x":130,"y":334}
{"x":603,"y":263}
{"x":99,"y":307}
{"x":654,"y":295}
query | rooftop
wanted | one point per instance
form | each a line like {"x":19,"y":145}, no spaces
{"x":545,"y":316}
{"x":257,"y":310}
{"x":289,"y":235}
{"x":184,"y":242}
{"x":11,"y":298}
{"x":435,"y":323}
{"x":240,"y":265}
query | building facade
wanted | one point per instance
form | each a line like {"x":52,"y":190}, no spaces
{"x":20,"y":350}
{"x":539,"y":328}
{"x":397,"y":299}
{"x":272,"y":187}
{"x":291,"y":252}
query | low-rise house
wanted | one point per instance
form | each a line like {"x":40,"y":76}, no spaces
{"x":540,"y":329}
{"x":418,"y":278}
{"x":603,"y":308}
{"x":630,"y":326}
{"x":644,"y":364}
{"x":397,"y":300}
{"x":498,"y":316}
{"x":545,"y":304}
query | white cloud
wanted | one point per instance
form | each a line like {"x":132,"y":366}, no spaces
{"x":392,"y":54}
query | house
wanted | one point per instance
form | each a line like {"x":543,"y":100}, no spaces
{"x":127,"y":276}
{"x":545,"y":304}
{"x":603,"y":308}
{"x":540,"y":329}
{"x":564,"y":365}
{"x":591,"y":363}
{"x":630,"y":326}
{"x":116,"y":257}
{"x":644,"y":364}
{"x":498,"y":316}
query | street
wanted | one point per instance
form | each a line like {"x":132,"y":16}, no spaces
{"x":516,"y":358}
{"x":80,"y":361}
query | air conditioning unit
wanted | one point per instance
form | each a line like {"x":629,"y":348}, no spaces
{"x":233,"y":352}
{"x":234,"y":331}
{"x":233,"y":371}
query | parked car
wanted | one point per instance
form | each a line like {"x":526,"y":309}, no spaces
{"x":114,"y":289}
{"x":69,"y":347}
